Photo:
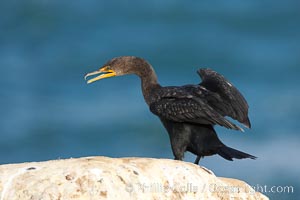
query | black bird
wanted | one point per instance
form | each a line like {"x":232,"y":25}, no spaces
{"x":188,"y":112}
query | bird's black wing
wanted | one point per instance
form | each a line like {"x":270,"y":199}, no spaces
{"x":182,"y":104}
{"x":223,"y":97}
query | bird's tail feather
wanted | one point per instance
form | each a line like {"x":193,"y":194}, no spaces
{"x":230,"y":153}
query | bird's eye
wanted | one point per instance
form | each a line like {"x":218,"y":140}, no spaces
{"x":107,"y":67}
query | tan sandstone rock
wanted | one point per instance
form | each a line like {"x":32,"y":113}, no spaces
{"x":117,"y":178}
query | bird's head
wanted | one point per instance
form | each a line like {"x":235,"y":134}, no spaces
{"x":117,"y":67}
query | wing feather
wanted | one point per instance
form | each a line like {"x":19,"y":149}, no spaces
{"x":189,"y":109}
{"x":206,"y":103}
{"x":224,"y":97}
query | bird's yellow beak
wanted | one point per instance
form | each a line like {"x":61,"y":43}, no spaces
{"x":104,"y":71}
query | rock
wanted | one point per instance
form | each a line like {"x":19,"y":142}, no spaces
{"x":117,"y":178}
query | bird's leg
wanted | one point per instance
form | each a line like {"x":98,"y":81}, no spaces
{"x":179,"y":137}
{"x":178,"y":151}
{"x":197,"y":160}
{"x":178,"y":147}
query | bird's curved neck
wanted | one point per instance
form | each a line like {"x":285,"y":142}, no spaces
{"x":149,"y":82}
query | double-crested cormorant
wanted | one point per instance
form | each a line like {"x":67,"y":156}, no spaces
{"x":188,"y":112}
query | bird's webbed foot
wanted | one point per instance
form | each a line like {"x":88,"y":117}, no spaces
{"x":178,"y":157}
{"x":178,"y":152}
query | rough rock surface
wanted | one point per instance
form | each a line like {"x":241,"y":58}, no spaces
{"x":117,"y":178}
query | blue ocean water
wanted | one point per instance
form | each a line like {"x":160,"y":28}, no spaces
{"x":49,"y":112}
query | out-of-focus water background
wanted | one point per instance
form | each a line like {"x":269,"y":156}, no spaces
{"x":49,"y":112}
